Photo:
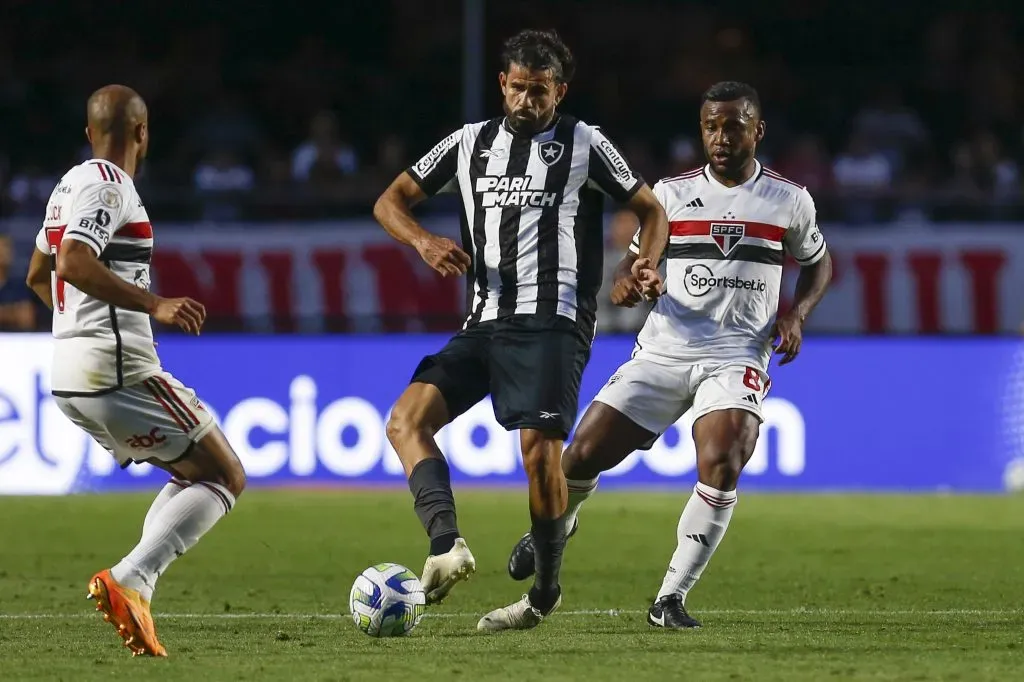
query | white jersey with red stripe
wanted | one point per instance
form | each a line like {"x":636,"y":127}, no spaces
{"x":724,"y":265}
{"x":99,"y":348}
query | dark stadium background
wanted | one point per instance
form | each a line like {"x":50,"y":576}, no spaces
{"x":876,"y":537}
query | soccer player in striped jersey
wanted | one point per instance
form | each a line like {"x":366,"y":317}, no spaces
{"x":532,"y":185}
{"x":706,"y":345}
{"x":91,"y":267}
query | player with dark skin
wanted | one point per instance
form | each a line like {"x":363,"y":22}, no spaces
{"x":118,"y":130}
{"x":724,"y":439}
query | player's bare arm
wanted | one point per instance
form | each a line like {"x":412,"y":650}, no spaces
{"x":653,"y":238}
{"x":811,"y":285}
{"x":393,"y":211}
{"x":38,"y":279}
{"x":78,"y":265}
{"x":625,"y":290}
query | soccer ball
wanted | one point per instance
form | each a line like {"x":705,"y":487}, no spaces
{"x":387,"y":600}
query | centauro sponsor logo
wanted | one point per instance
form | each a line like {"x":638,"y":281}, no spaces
{"x":512,"y":190}
{"x":427,"y":163}
{"x":619,"y":167}
{"x":699,"y":280}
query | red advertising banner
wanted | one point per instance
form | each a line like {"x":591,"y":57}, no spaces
{"x":350,"y":276}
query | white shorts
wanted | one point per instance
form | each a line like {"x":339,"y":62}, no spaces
{"x":156,"y":419}
{"x":655,"y":395}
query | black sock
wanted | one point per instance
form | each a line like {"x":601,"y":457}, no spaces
{"x":548,"y":543}
{"x":431,"y":486}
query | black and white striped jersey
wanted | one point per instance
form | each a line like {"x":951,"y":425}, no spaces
{"x":531,"y":213}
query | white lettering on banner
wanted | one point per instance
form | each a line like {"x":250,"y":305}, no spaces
{"x":359,"y":458}
{"x":302,"y":426}
{"x":963,"y":278}
{"x":271,"y":418}
{"x":497,"y":452}
{"x":42,"y":452}
{"x":784,"y":419}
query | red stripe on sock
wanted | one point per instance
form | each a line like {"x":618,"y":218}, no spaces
{"x":715,"y":501}
{"x":218,"y":493}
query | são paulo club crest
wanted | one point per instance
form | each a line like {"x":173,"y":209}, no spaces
{"x":550,"y":151}
{"x":727,"y":235}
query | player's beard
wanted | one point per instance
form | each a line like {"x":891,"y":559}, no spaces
{"x":528,"y":126}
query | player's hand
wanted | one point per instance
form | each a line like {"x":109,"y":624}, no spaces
{"x":185,"y":313}
{"x":626,"y":292}
{"x":444,"y":255}
{"x":648,"y":278}
{"x":788,"y":330}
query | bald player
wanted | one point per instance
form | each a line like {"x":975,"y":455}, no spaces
{"x":91,"y":267}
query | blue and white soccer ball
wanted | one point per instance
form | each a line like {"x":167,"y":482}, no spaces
{"x":387,"y":600}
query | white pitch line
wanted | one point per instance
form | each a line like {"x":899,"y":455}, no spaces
{"x":874,"y":613}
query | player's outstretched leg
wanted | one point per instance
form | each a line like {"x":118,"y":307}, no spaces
{"x":604,"y":438}
{"x":542,"y":461}
{"x":206,"y":483}
{"x":417,"y":416}
{"x":725,"y":441}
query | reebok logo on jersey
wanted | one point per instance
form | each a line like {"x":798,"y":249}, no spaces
{"x":699,"y":280}
{"x":512,"y":190}
{"x":491,"y":153}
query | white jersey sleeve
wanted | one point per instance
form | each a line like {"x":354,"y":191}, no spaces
{"x":97,"y":212}
{"x":803,"y":239}
{"x":41,"y":243}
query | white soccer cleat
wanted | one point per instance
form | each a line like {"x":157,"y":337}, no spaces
{"x":441,"y":572}
{"x":519,"y":616}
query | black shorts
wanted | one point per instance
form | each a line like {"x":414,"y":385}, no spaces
{"x":531,"y":366}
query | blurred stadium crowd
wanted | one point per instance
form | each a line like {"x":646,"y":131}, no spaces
{"x":260,"y":114}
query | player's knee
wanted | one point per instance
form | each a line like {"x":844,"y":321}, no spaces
{"x":405,"y":422}
{"x":720,"y":467}
{"x":235,"y":478}
{"x":227,"y":470}
{"x":541,"y":451}
{"x":579,"y":460}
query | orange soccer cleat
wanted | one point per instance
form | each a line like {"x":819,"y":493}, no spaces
{"x":126,"y":610}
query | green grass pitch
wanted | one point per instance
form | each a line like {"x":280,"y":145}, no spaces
{"x":803,"y":588}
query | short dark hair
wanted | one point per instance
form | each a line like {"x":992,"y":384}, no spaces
{"x":539,"y":50}
{"x":730,"y":91}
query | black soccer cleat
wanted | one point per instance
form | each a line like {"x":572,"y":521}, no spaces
{"x":669,"y":613}
{"x":522,"y":561}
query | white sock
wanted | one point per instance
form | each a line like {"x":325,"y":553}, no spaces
{"x":174,"y":529}
{"x":579,"y":491}
{"x":170,"y":489}
{"x":702,"y":526}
